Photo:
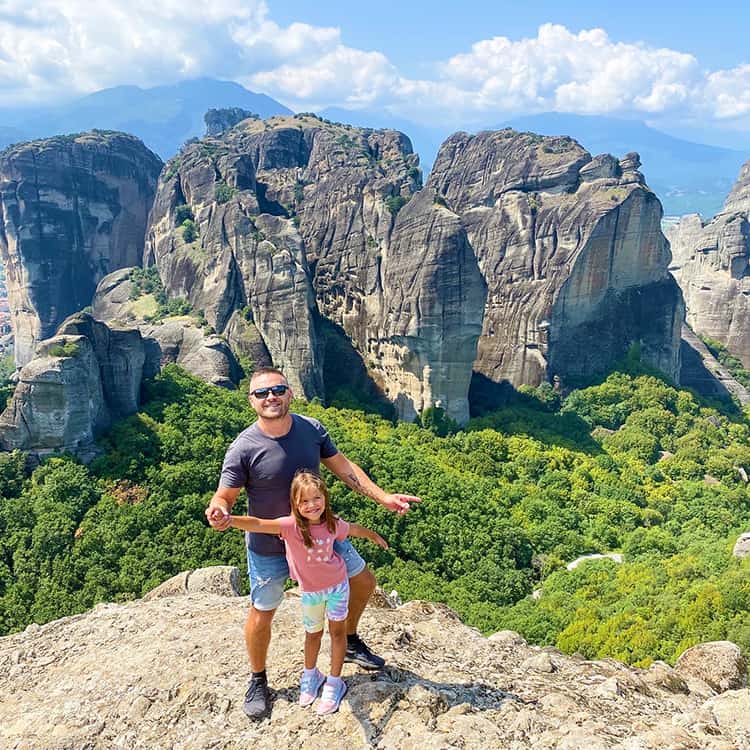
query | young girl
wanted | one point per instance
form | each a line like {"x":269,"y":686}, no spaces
{"x":309,"y":534}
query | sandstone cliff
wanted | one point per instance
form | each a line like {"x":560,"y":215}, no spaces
{"x":297,"y":217}
{"x":73,"y":209}
{"x":523,"y":257}
{"x":171,"y":673}
{"x":710,"y":262}
{"x":572,"y":253}
{"x":519,"y":254}
{"x":78,"y":382}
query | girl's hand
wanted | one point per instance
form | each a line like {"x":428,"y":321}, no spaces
{"x":377,"y":539}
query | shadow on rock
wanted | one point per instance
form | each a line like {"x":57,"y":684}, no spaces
{"x":396,"y":697}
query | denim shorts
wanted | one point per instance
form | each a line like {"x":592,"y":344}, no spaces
{"x":269,"y":573}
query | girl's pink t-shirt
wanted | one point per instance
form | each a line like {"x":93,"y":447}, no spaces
{"x":318,"y":567}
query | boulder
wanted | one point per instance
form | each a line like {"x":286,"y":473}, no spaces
{"x":614,"y":556}
{"x":112,"y":300}
{"x":222,"y":580}
{"x":208,"y":357}
{"x":75,"y":209}
{"x":731,"y":709}
{"x":720,"y":664}
{"x":742,"y":545}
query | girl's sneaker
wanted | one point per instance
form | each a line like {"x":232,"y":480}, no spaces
{"x":331,"y":698}
{"x":310,"y":686}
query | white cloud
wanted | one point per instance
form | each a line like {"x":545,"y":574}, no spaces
{"x":49,"y":48}
{"x":63,"y":46}
{"x":584,"y":72}
{"x":342,"y":76}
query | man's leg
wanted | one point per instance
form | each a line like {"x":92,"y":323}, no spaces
{"x":258,"y":637}
{"x":268,"y":575}
{"x":362,"y":584}
{"x":361,"y":587}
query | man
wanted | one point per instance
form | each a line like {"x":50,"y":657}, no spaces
{"x":263,"y":460}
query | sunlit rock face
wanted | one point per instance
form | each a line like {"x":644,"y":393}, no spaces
{"x":710,"y":262}
{"x":571,"y":251}
{"x":72,"y":209}
{"x":297,"y":218}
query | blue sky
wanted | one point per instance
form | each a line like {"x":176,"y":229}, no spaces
{"x":412,"y":31}
{"x":683,"y":69}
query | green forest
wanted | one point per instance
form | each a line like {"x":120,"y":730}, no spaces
{"x":630,"y":464}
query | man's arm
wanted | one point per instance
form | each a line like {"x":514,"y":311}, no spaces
{"x":353,"y":476}
{"x":221,"y":506}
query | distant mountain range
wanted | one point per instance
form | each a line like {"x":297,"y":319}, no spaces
{"x":688,"y":177}
{"x":163,"y":117}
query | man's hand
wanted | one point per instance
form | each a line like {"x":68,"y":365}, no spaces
{"x":217,"y":518}
{"x":399,"y":503}
{"x":220,"y":507}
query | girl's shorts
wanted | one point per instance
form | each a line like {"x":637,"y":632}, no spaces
{"x":331,"y":603}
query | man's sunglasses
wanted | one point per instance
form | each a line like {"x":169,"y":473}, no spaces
{"x":277,"y":390}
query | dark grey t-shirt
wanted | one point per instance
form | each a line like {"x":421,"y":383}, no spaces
{"x":265,"y":467}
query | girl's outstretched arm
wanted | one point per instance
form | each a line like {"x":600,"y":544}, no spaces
{"x":364,"y":533}
{"x":256,"y":525}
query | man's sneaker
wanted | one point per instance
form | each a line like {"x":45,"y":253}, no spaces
{"x":357,"y":652}
{"x":310,"y":686}
{"x":331,"y":698}
{"x":257,"y":699}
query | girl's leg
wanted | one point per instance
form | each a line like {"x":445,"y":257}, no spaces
{"x":337,"y":630}
{"x":312,"y":648}
{"x":335,"y":688}
{"x":337,"y":606}
{"x":313,"y":619}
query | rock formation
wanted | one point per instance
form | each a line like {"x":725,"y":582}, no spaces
{"x":219,"y":120}
{"x":710,"y":262}
{"x":296,"y":217}
{"x":134,"y":675}
{"x":239,"y":249}
{"x":742,"y":545}
{"x":572,"y":253}
{"x":205,"y":356}
{"x":178,"y":339}
{"x":73,"y":209}
{"x":700,"y":370}
{"x":524,"y":258}
{"x":523,"y":245}
{"x":78,"y":382}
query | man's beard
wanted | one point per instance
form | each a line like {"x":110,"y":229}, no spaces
{"x":283,"y":411}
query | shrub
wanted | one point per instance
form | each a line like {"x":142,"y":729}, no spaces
{"x":224,"y":193}
{"x":189,"y":231}
{"x":182,"y":213}
{"x":64,"y":350}
{"x":394,"y":203}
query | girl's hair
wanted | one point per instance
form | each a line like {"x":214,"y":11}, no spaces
{"x":303,"y":480}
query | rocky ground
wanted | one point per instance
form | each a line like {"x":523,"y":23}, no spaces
{"x":169,"y":671}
